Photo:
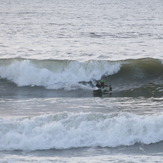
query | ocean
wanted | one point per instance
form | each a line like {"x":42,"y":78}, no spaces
{"x":52,"y":54}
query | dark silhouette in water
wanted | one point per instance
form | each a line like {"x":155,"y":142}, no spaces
{"x":101,"y":84}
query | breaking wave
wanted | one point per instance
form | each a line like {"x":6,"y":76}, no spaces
{"x":127,"y":75}
{"x":55,"y":74}
{"x":76,"y":130}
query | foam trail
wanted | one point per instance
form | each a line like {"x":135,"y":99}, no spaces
{"x":74,"y":130}
{"x":56,"y":74}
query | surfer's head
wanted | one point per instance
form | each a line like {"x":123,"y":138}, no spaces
{"x":102,"y":81}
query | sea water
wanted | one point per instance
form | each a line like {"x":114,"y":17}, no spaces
{"x":52,"y":54}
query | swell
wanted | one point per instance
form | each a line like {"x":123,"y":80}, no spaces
{"x":76,"y":130}
{"x":126,"y":77}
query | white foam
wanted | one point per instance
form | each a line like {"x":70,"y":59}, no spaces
{"x":66,"y":75}
{"x":69,"y":130}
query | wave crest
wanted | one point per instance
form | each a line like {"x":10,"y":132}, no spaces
{"x":54,"y":73}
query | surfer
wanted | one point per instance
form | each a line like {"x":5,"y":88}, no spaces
{"x":101,"y":84}
{"x":102,"y":88}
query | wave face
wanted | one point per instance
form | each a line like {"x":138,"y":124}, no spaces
{"x":141,"y":77}
{"x":74,"y":130}
{"x":128,"y":76}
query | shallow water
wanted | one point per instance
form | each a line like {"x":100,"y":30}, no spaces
{"x":75,"y":129}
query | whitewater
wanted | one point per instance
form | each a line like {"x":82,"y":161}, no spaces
{"x":67,"y":130}
{"x":52,"y":54}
